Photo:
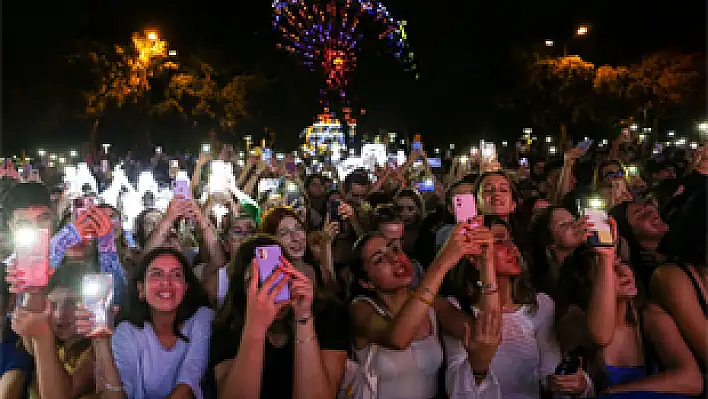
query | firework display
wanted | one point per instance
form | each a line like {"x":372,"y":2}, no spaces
{"x":325,"y":34}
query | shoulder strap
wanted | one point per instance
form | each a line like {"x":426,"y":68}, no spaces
{"x":376,"y":306}
{"x":696,"y":286}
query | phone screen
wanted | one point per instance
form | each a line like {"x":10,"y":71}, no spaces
{"x":434,"y":162}
{"x":32,"y":251}
{"x":292,"y":194}
{"x":601,"y":231}
{"x":268,"y":259}
{"x":417,"y":146}
{"x":97,"y":297}
{"x":426,"y":185}
{"x":334,"y":211}
{"x":181,"y":188}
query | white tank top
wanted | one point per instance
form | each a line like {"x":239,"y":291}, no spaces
{"x":406,"y":374}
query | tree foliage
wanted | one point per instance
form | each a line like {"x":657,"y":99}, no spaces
{"x":197,"y":92}
{"x":157,"y":84}
{"x":569,"y":90}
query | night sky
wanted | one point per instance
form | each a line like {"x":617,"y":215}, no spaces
{"x":464,"y":49}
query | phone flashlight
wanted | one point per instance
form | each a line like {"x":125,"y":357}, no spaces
{"x":25,"y":237}
{"x":90,"y":288}
{"x":632,"y":170}
{"x":596,"y":203}
{"x":158,"y":150}
{"x":206,"y":148}
{"x":291,"y":187}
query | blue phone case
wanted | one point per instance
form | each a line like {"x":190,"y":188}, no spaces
{"x":268,"y":259}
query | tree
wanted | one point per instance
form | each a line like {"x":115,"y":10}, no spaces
{"x":562,"y":91}
{"x":123,"y":74}
{"x":196,"y":94}
{"x":662,"y":81}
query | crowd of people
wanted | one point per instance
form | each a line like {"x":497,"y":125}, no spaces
{"x":495,"y":284}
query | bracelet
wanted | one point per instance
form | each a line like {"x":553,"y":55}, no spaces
{"x":426,"y":289}
{"x":306,"y":340}
{"x":304,"y":320}
{"x":421,"y":298}
{"x":113,"y":388}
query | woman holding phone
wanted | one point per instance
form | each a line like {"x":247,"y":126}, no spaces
{"x":164,"y":325}
{"x":265,"y":348}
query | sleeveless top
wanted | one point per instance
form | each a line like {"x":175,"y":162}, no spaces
{"x":704,"y":306}
{"x":405,"y":374}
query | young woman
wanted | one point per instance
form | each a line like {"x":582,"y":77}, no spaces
{"x":409,"y":207}
{"x":396,"y":326}
{"x":555,"y":233}
{"x":285,"y":225}
{"x":263,"y":349}
{"x":681,"y":287}
{"x":631,"y":349}
{"x":523,"y":357}
{"x":160,"y":347}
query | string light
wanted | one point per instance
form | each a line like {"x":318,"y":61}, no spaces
{"x":328,"y":37}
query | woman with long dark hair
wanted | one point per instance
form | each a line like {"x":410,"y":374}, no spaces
{"x":263,"y":349}
{"x":164,"y":324}
{"x":631,"y":349}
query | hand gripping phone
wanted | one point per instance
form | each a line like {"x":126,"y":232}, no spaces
{"x":268,"y":259}
{"x":97,"y":298}
{"x":465,"y":207}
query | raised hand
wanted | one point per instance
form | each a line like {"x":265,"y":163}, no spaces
{"x":94,"y":222}
{"x":573,"y":384}
{"x":301,"y":290}
{"x":487,"y":332}
{"x":261,"y":308}
{"x":32,"y":324}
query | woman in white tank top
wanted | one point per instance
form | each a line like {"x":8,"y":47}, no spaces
{"x":398,"y":324}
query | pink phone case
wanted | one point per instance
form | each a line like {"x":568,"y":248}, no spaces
{"x":465,"y":207}
{"x":33,"y":260}
{"x":268,"y":259}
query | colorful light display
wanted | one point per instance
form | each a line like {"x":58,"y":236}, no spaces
{"x":328,"y":36}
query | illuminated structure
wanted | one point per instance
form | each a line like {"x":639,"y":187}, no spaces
{"x":327,"y":36}
{"x":326,"y":137}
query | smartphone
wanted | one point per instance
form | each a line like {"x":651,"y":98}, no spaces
{"x":435,"y":162}
{"x":267,"y":156}
{"x":632,"y":170}
{"x":206,"y":148}
{"x":333,"y":210}
{"x":465,"y":207}
{"x":292,"y":194}
{"x":269,"y":185}
{"x":594,"y":209}
{"x":158,"y":150}
{"x":416,"y":146}
{"x":104,"y":166}
{"x":426,"y":185}
{"x":97,"y":298}
{"x":31,"y":246}
{"x":268,"y":259}
{"x":569,"y":365}
{"x":80,"y":205}
{"x":585,"y":145}
{"x":181,"y":187}
{"x":524,"y":162}
{"x":174,"y":163}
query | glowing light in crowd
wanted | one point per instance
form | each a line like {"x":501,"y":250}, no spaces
{"x":327,"y":36}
